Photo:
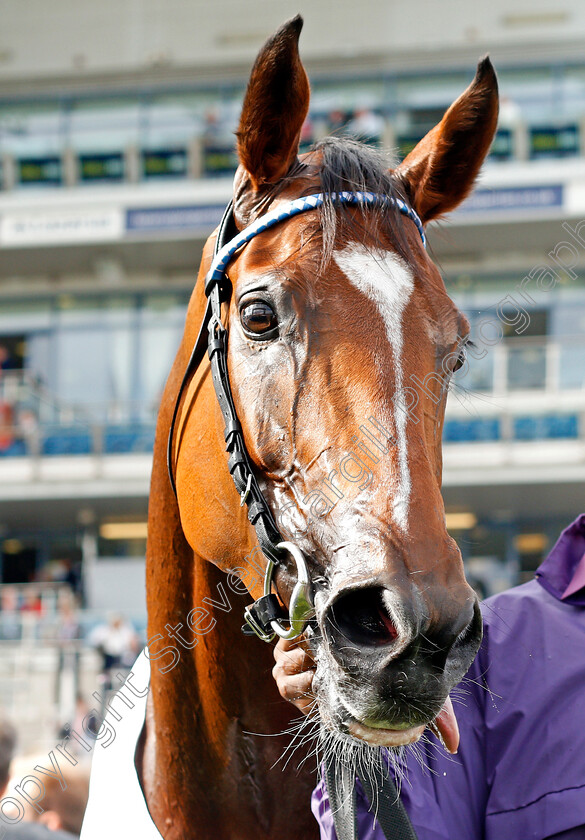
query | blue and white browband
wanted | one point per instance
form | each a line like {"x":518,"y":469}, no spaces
{"x":293,"y":208}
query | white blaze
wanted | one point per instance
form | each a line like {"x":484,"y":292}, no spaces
{"x":388,"y":282}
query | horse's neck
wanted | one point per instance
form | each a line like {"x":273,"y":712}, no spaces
{"x":204,"y":771}
{"x":207,"y":768}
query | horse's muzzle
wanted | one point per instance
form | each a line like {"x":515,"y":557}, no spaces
{"x":392,"y":666}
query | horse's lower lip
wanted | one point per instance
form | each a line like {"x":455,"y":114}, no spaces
{"x":384,"y":737}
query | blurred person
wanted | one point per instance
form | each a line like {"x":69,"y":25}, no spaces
{"x":28,"y":431}
{"x":66,"y":570}
{"x":32,"y":602}
{"x":84,"y":720}
{"x":28,"y":422}
{"x":520,"y":769}
{"x":9,"y":605}
{"x":367,"y":126}
{"x":118,"y":645}
{"x":74,"y":577}
{"x":68,"y":628}
{"x":338,"y":121}
{"x":9,"y":599}
{"x":7,"y":360}
{"x":6,"y":426}
{"x":67,"y":676}
{"x":63,"y":809}
{"x":26,"y":830}
{"x":510,"y":114}
{"x":211,"y":130}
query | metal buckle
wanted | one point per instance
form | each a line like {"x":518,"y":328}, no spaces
{"x":215,"y":325}
{"x":253,"y":624}
{"x":301,"y":603}
{"x":245,"y":493}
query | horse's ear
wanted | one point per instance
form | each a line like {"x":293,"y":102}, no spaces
{"x":275,"y":107}
{"x":440,"y":171}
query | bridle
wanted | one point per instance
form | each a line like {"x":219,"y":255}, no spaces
{"x":265,"y":616}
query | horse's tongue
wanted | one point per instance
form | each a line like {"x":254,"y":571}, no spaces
{"x":446,"y":723}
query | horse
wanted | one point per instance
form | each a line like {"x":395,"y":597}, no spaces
{"x":342,"y":342}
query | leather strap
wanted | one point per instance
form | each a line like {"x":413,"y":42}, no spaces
{"x":212,"y":337}
{"x":381,"y":793}
{"x":227,"y":229}
{"x":239,"y":463}
{"x":340,"y":783}
{"x":197,"y":356}
{"x":265,"y":610}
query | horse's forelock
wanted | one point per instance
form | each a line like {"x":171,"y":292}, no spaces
{"x":347,"y":164}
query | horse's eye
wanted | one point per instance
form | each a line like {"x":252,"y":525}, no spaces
{"x":258,"y":319}
{"x":460,"y":362}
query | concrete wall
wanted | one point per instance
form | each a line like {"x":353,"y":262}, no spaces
{"x":64,"y":38}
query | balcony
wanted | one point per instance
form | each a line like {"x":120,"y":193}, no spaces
{"x":514,"y":436}
{"x":520,"y":406}
{"x":520,"y":389}
{"x":51,"y":450}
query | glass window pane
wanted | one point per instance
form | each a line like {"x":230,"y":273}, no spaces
{"x":165,"y":309}
{"x":572,"y":365}
{"x":94,"y":370}
{"x":119,"y":369}
{"x":39,"y":400}
{"x":568,"y":318}
{"x":74,"y":310}
{"x":348,"y":95}
{"x":526,"y":367}
{"x":157,"y":351}
{"x":23,"y":315}
{"x":31,"y":131}
{"x":162,"y":322}
{"x":106,"y":125}
{"x":119,"y":310}
{"x":172,"y":121}
{"x":525,"y":323}
{"x":82,"y":376}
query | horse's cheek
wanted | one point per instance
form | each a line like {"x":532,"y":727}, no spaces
{"x":266,"y":417}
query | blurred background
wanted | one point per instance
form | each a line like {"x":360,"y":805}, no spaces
{"x":116,"y":160}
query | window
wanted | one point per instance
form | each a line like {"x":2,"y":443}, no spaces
{"x":526,"y":354}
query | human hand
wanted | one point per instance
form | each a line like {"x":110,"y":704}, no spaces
{"x":293,"y":673}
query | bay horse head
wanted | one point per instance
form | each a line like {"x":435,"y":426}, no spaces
{"x":342,"y":342}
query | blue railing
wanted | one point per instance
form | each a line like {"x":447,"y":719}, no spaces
{"x":54,"y":440}
{"x":547,"y":427}
{"x":519,"y":428}
{"x":138,"y":438}
{"x":472,"y":431}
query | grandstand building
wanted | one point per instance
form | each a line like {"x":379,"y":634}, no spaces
{"x":116,"y":151}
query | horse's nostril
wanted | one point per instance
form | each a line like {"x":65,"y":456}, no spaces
{"x":361,"y":616}
{"x":472,"y":633}
{"x":452,"y":647}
